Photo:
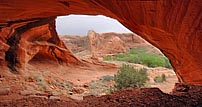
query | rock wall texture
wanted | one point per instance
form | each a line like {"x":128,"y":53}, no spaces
{"x":105,"y":44}
{"x":33,"y":40}
{"x":174,"y":26}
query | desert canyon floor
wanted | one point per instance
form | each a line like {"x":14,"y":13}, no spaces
{"x":45,"y":83}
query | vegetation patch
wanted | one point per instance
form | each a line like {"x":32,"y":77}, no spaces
{"x":141,"y":56}
{"x":41,"y":82}
{"x":129,"y":77}
{"x":101,"y":86}
{"x":107,"y":78}
{"x":160,"y":79}
{"x":126,"y":77}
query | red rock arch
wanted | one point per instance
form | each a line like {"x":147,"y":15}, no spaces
{"x":174,"y":26}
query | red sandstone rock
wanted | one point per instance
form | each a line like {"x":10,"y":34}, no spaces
{"x":75,"y":43}
{"x":146,"y":97}
{"x":99,"y":44}
{"x":4,"y":91}
{"x":106,"y":43}
{"x":35,"y":40}
{"x":174,"y":26}
{"x":78,"y":90}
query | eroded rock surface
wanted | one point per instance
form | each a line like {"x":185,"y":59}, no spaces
{"x":174,"y":26}
{"x":33,"y":40}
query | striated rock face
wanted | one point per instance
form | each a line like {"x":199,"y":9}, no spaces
{"x":100,"y":44}
{"x":110,"y":43}
{"x":33,"y":40}
{"x":174,"y":26}
{"x":75,"y":43}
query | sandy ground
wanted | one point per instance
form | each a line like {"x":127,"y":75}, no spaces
{"x":52,"y":79}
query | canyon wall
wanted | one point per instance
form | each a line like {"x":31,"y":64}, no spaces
{"x":174,"y":26}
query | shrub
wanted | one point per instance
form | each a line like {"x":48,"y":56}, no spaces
{"x":100,"y":87}
{"x":128,"y":77}
{"x":41,"y":82}
{"x":141,"y":56}
{"x":107,"y":58}
{"x":107,"y":78}
{"x":160,"y":79}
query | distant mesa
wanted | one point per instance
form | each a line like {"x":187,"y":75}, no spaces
{"x":106,"y":43}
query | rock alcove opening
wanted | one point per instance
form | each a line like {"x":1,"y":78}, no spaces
{"x":172,"y":26}
{"x":100,"y":36}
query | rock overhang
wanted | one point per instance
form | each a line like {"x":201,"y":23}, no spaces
{"x":173,"y":26}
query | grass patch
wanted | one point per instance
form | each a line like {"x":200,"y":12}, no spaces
{"x":141,"y":56}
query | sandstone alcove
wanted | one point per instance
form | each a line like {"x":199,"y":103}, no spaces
{"x":175,"y":37}
{"x":27,"y":29}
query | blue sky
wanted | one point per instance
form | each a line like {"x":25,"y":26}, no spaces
{"x":80,"y":24}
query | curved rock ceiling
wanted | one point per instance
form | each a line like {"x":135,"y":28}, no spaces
{"x":27,"y":28}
